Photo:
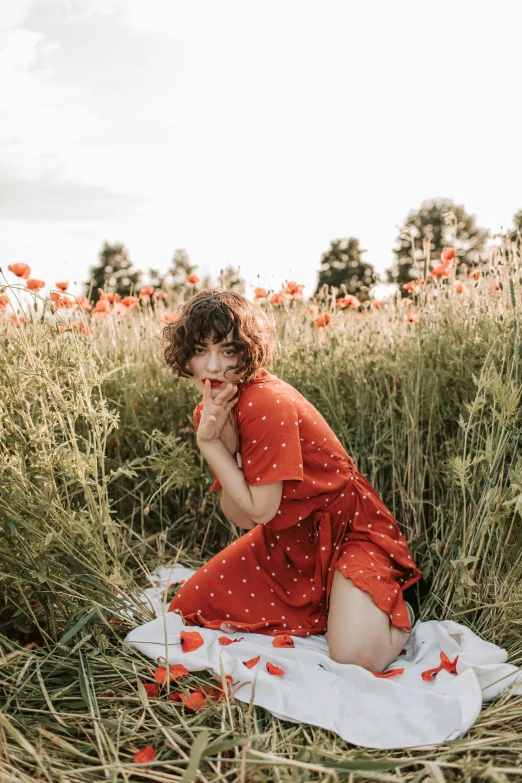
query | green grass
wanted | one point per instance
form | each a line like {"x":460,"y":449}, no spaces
{"x":101,"y":479}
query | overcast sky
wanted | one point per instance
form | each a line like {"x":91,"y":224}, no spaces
{"x":249,"y":133}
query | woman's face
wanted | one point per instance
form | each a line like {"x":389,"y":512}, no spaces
{"x":211,"y":360}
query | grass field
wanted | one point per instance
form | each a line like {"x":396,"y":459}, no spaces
{"x":101,"y":480}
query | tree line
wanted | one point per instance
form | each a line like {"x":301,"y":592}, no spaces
{"x":425,"y":232}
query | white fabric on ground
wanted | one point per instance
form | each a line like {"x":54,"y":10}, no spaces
{"x":373,"y":712}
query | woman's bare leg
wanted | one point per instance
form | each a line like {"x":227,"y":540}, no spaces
{"x":358,"y":631}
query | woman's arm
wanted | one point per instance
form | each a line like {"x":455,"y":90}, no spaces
{"x":234,"y":513}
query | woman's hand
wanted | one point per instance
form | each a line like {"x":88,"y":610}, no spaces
{"x":215,"y":412}
{"x":229,"y":434}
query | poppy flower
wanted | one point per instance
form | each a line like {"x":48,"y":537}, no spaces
{"x":176,"y":670}
{"x":4,"y":301}
{"x":413,"y":285}
{"x":475,"y":274}
{"x":18,"y":320}
{"x":169,"y":318}
{"x":148,"y":290}
{"x":388,"y":674}
{"x":443,"y":270}
{"x":458,"y":286}
{"x":448,"y":254}
{"x":20,"y":270}
{"x":260,"y":293}
{"x":412,"y":317}
{"x":294,"y":290}
{"x":144,"y":756}
{"x":110,"y":296}
{"x":34,"y":285}
{"x":322,"y":321}
{"x":490,"y":288}
{"x":276,"y":299}
{"x":83,"y":302}
{"x":348,"y":301}
{"x":230,"y":682}
{"x":119,"y":309}
{"x":283,"y":640}
{"x":193,"y":279}
{"x":225,"y":640}
{"x":97,"y":314}
{"x":130,"y":301}
{"x":102,"y":306}
{"x":160,"y":295}
{"x":272,"y":669}
{"x":445,"y":663}
{"x":190,"y":640}
{"x":252,"y":662}
{"x":62,"y":286}
{"x":377,"y":303}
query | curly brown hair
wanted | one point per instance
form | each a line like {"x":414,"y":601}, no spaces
{"x":213,"y":313}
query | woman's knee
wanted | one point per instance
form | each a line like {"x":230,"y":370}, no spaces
{"x":357,"y":657}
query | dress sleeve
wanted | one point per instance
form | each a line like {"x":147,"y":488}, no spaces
{"x":197,"y":418}
{"x":270,"y":442}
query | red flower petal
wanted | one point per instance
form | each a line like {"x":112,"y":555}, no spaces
{"x":195,"y":700}
{"x":252,"y":662}
{"x":106,"y":695}
{"x":430,"y":674}
{"x":402,"y":652}
{"x":271,"y":669}
{"x":388,"y":674}
{"x":143,"y":756}
{"x":190,"y":640}
{"x":151,"y":689}
{"x":175,"y":696}
{"x":283,"y":640}
{"x":225,"y":640}
{"x":450,"y":666}
{"x":176,"y":670}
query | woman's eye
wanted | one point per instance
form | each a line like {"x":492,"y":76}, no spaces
{"x":230,"y":350}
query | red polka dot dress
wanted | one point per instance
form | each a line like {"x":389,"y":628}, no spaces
{"x":277,"y":577}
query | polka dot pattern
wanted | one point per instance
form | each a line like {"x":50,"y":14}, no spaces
{"x":330,"y":518}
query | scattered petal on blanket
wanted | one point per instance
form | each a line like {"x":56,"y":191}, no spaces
{"x":402,"y":652}
{"x":389,"y":673}
{"x":226,"y":640}
{"x":143,"y":756}
{"x":176,"y":670}
{"x":151,"y":689}
{"x":283,"y":640}
{"x":252,"y":662}
{"x":271,"y":669}
{"x":450,"y":666}
{"x":190,"y":640}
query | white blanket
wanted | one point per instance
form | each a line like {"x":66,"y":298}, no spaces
{"x":400,"y":712}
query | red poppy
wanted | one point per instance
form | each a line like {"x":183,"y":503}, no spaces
{"x":377,"y":303}
{"x":413,"y":285}
{"x":147,"y":291}
{"x":119,"y":309}
{"x":412,"y":317}
{"x":252,"y":662}
{"x":144,"y":756}
{"x":295,"y":291}
{"x":83,"y":302}
{"x":102,"y":306}
{"x":35,"y":285}
{"x":160,"y":295}
{"x":18,"y":320}
{"x":388,"y":674}
{"x":283,"y":640}
{"x":225,"y":640}
{"x":110,"y":296}
{"x":63,"y":286}
{"x":448,"y":254}
{"x":4,"y":301}
{"x":194,"y":279}
{"x":176,"y":670}
{"x":442,"y":270}
{"x":130,"y":301}
{"x":490,"y":288}
{"x":272,"y":669}
{"x":20,"y":270}
{"x":322,"y":321}
{"x":475,"y":274}
{"x":276,"y":299}
{"x":260,"y":293}
{"x":458,"y":285}
{"x":348,"y":301}
{"x":190,"y":640}
{"x":169,"y":318}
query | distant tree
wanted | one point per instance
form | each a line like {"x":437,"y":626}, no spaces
{"x":342,"y":264}
{"x":175,"y":279}
{"x":434,"y":222}
{"x":113,"y":273}
{"x":230,"y":279}
{"x":514,"y":235}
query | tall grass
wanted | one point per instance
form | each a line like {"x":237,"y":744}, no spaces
{"x":101,"y":479}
